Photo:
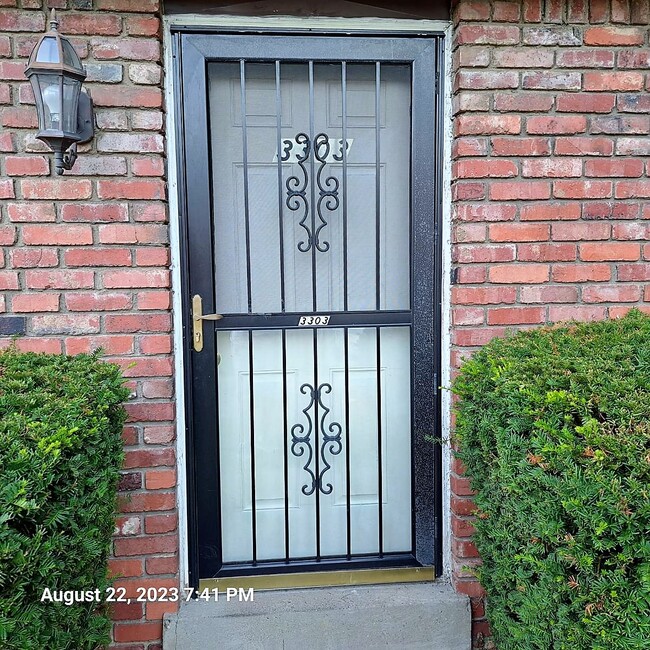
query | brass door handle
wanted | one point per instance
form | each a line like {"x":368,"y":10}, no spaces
{"x":197,"y":322}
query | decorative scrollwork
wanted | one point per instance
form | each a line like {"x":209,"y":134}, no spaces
{"x":301,"y":442}
{"x":297,"y":188}
{"x":328,"y":187}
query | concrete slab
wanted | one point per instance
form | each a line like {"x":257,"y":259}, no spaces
{"x":417,"y":616}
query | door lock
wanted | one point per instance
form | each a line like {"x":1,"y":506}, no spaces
{"x":197,"y":322}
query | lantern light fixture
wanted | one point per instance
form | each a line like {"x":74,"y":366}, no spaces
{"x":65,"y":112}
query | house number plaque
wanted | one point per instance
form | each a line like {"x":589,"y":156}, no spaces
{"x":306,"y":321}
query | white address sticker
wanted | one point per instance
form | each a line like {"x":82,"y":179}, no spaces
{"x":306,"y":321}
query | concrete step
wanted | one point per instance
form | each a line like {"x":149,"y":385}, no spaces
{"x":417,"y":616}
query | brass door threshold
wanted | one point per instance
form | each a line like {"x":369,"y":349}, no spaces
{"x":321,"y":579}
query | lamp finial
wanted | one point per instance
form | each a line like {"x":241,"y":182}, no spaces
{"x":54,"y":23}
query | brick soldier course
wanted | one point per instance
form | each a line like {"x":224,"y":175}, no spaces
{"x":551,"y":217}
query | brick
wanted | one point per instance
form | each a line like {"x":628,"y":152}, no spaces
{"x":471,"y":101}
{"x":598,"y":11}
{"x":110,"y":344}
{"x":157,"y":524}
{"x":521,"y":147}
{"x":133,"y":234}
{"x":108,"y":73}
{"x":620,"y":293}
{"x":125,"y":526}
{"x":552,"y":80}
{"x":548,"y":294}
{"x":142,"y":25}
{"x":162,"y":565}
{"x":7,"y":189}
{"x":147,"y":545}
{"x":620,"y":11}
{"x":130,"y":142}
{"x":111,"y":120}
{"x":519,"y":274}
{"x":148,"y":502}
{"x":488,"y":125}
{"x":39,"y":345}
{"x":507,"y":12}
{"x":485,"y":212}
{"x":554,"y":212}
{"x":149,"y":458}
{"x":126,"y":611}
{"x":520,"y":191}
{"x":148,"y":167}
{"x":610,"y":210}
{"x":27,"y":166}
{"x":485,"y":169}
{"x":145,"y":73}
{"x":147,"y":367}
{"x":99,"y":166}
{"x":159,"y":435}
{"x":31,"y":212}
{"x":471,"y":275}
{"x":125,"y":568}
{"x":608,"y":81}
{"x":7,"y":142}
{"x":629,"y":125}
{"x":65,"y":324}
{"x":132,"y":189}
{"x":629,"y":168}
{"x":469,"y":147}
{"x":130,"y":632}
{"x":584,"y":146}
{"x":464,"y":191}
{"x":158,"y":388}
{"x":59,"y":279}
{"x":580,"y":231}
{"x":487,"y":35}
{"x":142,"y":6}
{"x":132,"y":49}
{"x":5,"y":46}
{"x":552,"y":168}
{"x":149,"y":212}
{"x":633,"y":189}
{"x":515,"y":232}
{"x":585,"y":103}
{"x":522,"y":57}
{"x":19,"y":117}
{"x":468,"y":316}
{"x":575,"y":189}
{"x":585,"y":58}
{"x":516,"y":315}
{"x":98,"y":257}
{"x":134,"y":278}
{"x":633,"y":103}
{"x":147,"y":120}
{"x":614,"y":36}
{"x":471,"y":57}
{"x":581,"y":273}
{"x":467,"y":11}
{"x":90,"y":24}
{"x":12,"y":71}
{"x":35,"y":302}
{"x":62,"y":189}
{"x":97,"y":301}
{"x":633,"y":147}
{"x":526,"y":102}
{"x":471,"y":588}
{"x":484,"y":295}
{"x":157,"y":480}
{"x":138,"y":323}
{"x":154,"y":300}
{"x":470,"y":233}
{"x":94,"y":212}
{"x":556,"y":125}
{"x":546,"y":252}
{"x":156,"y":344}
{"x":633,"y":272}
{"x":22,"y":21}
{"x":136,"y":96}
{"x":565,"y":36}
{"x":562,"y":313}
{"x":610,"y":252}
{"x":24,"y":258}
{"x":631,"y":231}
{"x":633,"y":59}
{"x":36,"y":235}
{"x":7,"y":235}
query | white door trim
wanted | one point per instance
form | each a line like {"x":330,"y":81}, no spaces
{"x":311,"y":24}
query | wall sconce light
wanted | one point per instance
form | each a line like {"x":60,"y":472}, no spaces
{"x":65,"y":114}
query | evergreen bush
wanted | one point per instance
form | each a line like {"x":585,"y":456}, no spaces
{"x":553,"y":426}
{"x":60,"y":453}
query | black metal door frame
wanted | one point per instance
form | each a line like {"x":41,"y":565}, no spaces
{"x":192,"y":49}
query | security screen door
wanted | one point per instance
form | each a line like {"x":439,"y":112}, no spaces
{"x":310,"y":210}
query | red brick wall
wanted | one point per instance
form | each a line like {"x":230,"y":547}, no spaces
{"x":85,"y":256}
{"x":550,"y":179}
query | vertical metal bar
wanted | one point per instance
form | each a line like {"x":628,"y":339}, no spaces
{"x":286,"y":444}
{"x":278,"y":114}
{"x":377,"y":185}
{"x":252,"y":424}
{"x":313,"y":189}
{"x":346,"y":352}
{"x":380,"y":478}
{"x":316,"y":441}
{"x":344,"y":184}
{"x":242,"y":83}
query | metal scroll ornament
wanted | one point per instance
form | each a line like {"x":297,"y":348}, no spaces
{"x":301,"y":442}
{"x":328,"y":187}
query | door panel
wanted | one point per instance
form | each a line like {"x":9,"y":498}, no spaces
{"x":310,"y":228}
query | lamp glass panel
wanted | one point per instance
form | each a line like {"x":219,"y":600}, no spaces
{"x":70,"y":57}
{"x":71,"y":88}
{"x":50,"y":87}
{"x":48,"y":52}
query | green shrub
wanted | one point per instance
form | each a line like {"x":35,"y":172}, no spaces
{"x":60,"y":452}
{"x":553,"y":427}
